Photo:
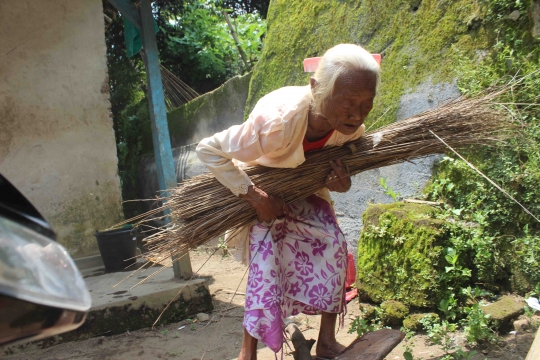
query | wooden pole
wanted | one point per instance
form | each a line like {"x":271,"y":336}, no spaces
{"x":237,"y":41}
{"x":158,"y":116}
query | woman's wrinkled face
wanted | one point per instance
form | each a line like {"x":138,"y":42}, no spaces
{"x":351,"y":101}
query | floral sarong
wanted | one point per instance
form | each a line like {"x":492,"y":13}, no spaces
{"x":297,"y":265}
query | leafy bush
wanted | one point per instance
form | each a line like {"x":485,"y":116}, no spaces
{"x":502,"y":240}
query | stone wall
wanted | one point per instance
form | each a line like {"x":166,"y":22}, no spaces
{"x":56,"y":137}
{"x":406,"y":179}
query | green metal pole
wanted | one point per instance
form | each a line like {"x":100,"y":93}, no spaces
{"x":158,"y":116}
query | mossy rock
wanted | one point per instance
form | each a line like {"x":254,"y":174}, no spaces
{"x":393,"y":312}
{"x":412,"y":322}
{"x":503,"y":311}
{"x":368,"y":311}
{"x":401,"y":254}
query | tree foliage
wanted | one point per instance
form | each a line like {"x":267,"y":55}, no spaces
{"x":194,"y":43}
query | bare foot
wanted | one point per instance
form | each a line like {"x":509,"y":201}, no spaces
{"x":327,"y":346}
{"x":329,"y":350}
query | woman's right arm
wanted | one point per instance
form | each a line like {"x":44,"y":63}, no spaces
{"x":246,"y":142}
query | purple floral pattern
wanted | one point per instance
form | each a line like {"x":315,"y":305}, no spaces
{"x":298,"y":265}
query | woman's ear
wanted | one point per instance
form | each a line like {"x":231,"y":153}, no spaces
{"x":313,"y":83}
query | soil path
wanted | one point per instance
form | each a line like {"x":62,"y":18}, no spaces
{"x":222,"y":335}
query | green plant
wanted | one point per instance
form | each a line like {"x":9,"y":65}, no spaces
{"x":388,"y":190}
{"x":360,"y":327}
{"x":408,"y":344}
{"x":200,"y":33}
{"x":476,"y":325}
{"x":462,"y":355}
{"x":222,"y":245}
{"x":475,"y":293}
{"x":165,"y":332}
{"x":449,"y":307}
{"x":440,"y":334}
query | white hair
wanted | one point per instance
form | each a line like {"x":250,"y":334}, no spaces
{"x":341,"y":60}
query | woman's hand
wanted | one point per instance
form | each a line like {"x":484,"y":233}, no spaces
{"x":267,"y":206}
{"x":338,"y":180}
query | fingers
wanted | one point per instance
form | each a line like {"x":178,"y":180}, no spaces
{"x":287,"y":210}
{"x":338,"y":168}
{"x":338,"y":179}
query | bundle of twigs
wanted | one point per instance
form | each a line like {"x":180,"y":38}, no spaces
{"x":202,"y":209}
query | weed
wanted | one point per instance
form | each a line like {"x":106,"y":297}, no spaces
{"x":360,"y":327}
{"x":476,"y":325}
{"x":388,"y":190}
{"x":449,"y":307}
{"x":462,"y":355}
{"x":408,"y":344}
{"x":222,"y":245}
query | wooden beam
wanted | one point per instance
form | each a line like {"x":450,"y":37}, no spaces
{"x":534,"y":351}
{"x":158,"y":118}
{"x":129,"y":11}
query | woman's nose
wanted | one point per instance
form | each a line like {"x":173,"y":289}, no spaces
{"x":356,"y":114}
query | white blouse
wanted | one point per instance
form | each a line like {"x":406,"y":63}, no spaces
{"x":272,"y":136}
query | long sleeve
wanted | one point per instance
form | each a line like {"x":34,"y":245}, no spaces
{"x":246,"y":143}
{"x":272,"y":136}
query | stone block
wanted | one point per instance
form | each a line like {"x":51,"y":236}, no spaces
{"x":504,"y":310}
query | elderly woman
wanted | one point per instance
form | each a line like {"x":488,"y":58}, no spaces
{"x":297,"y":253}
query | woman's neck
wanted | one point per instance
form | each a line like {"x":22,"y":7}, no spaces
{"x":318,"y":127}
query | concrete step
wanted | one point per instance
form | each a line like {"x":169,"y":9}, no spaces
{"x":119,"y":306}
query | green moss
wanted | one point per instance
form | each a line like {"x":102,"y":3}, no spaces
{"x":418,"y":41}
{"x":400,"y":254}
{"x":412,"y":322}
{"x":393,"y":312}
{"x":368,"y":311}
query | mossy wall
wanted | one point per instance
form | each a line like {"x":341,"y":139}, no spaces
{"x":418,"y":40}
{"x":205,"y":115}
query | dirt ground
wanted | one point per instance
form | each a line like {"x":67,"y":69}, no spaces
{"x":220,"y":338}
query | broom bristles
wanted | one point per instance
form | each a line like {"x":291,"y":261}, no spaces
{"x":202,"y":209}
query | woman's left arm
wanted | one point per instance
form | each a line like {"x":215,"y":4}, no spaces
{"x":339,"y":179}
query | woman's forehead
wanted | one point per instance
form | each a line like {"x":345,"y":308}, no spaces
{"x":361,"y":81}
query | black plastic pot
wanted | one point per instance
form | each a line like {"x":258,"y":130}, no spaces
{"x":118,"y":248}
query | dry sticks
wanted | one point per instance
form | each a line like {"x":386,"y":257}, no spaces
{"x":203,"y":209}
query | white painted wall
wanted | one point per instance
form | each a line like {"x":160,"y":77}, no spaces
{"x":56,"y":138}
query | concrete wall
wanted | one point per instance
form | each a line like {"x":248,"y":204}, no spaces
{"x":56,"y":137}
{"x":208,"y":114}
